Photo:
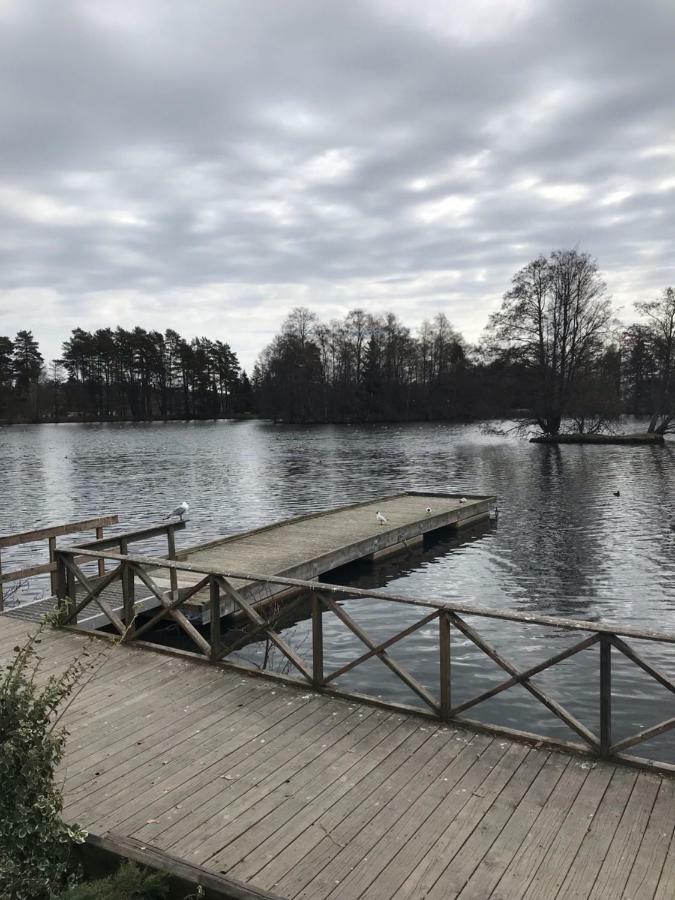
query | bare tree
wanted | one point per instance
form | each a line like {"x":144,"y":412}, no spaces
{"x":661,"y":325}
{"x":553,"y":322}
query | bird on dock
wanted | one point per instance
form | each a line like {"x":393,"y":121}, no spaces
{"x":380,"y":518}
{"x":463,"y":500}
{"x":179,"y":511}
{"x":428,"y":510}
{"x":617,"y":493}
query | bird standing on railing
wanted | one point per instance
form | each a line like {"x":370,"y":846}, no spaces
{"x":380,"y":518}
{"x":180,"y":511}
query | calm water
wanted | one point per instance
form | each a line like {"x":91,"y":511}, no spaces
{"x":564,"y":544}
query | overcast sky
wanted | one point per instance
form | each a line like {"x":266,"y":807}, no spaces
{"x":206,"y":165}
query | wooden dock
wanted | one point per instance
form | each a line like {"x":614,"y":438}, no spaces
{"x":309,"y":546}
{"x":304,"y":547}
{"x":312,"y":796}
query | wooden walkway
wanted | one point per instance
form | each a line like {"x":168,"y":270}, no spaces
{"x":312,"y":797}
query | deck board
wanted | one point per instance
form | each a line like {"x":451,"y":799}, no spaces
{"x":313,"y":796}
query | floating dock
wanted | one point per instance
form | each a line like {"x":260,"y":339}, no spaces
{"x":310,"y":546}
{"x":304,"y":547}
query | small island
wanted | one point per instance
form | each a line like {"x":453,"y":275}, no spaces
{"x":636,"y":437}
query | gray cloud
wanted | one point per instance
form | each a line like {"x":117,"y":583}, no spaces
{"x":209,"y":166}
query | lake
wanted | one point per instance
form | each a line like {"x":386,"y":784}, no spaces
{"x":563,"y":544}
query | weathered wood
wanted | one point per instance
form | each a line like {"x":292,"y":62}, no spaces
{"x":41,"y":534}
{"x":444,"y":665}
{"x":52,"y":564}
{"x":598,"y":627}
{"x":377,"y":649}
{"x":635,"y":657}
{"x":175,"y":613}
{"x":395,"y":667}
{"x":644,"y":735}
{"x":605,"y":695}
{"x":101,"y":562}
{"x":214,"y":589}
{"x":129,"y":598}
{"x":276,"y":639}
{"x":74,"y":571}
{"x":173,"y":574}
{"x":183,"y":876}
{"x":137,"y":534}
{"x":526,"y":673}
{"x":537,"y":692}
{"x":317,"y":641}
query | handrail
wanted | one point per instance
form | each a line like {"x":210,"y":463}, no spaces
{"x":139,"y":534}
{"x":41,"y":534}
{"x":49,"y":533}
{"x":599,"y":626}
{"x":449,"y":614}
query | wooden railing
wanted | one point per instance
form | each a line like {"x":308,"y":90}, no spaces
{"x":50,"y":535}
{"x":324,"y":599}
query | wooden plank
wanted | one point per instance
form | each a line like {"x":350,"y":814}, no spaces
{"x":445,"y":829}
{"x":573,"y":831}
{"x":528,"y":858}
{"x":41,"y":534}
{"x":471,"y":833}
{"x":183,"y":876}
{"x":337,"y":829}
{"x":138,"y":534}
{"x":618,"y":862}
{"x":491,"y":867}
{"x":260,"y":821}
{"x":253,"y":795}
{"x":362,"y":768}
{"x":240,"y":750}
{"x":646,"y":871}
{"x":451,"y":760}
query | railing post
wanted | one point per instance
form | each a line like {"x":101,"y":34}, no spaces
{"x":52,"y":575}
{"x":171,"y":543}
{"x":214,"y":611}
{"x":101,"y":562}
{"x":605,"y":694}
{"x":444,"y":660}
{"x":2,"y":593}
{"x":317,"y":642}
{"x":128,"y":589}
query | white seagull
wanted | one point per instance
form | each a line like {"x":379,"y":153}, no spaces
{"x":179,"y":511}
{"x":380,"y":518}
{"x":428,"y":510}
{"x":462,"y":500}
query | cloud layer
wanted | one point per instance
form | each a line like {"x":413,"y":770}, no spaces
{"x":207,"y":166}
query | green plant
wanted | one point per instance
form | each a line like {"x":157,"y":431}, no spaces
{"x":129,"y":882}
{"x":35,"y":843}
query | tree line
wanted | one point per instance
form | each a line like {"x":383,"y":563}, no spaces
{"x":122,"y":374}
{"x":552,"y":356}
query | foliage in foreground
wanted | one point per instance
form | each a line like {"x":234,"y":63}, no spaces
{"x":35,"y":843}
{"x":129,"y":883}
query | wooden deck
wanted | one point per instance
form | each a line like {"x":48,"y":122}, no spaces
{"x":311,"y":796}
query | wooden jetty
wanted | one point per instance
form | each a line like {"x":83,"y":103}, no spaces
{"x":304,"y":547}
{"x":294,"y":793}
